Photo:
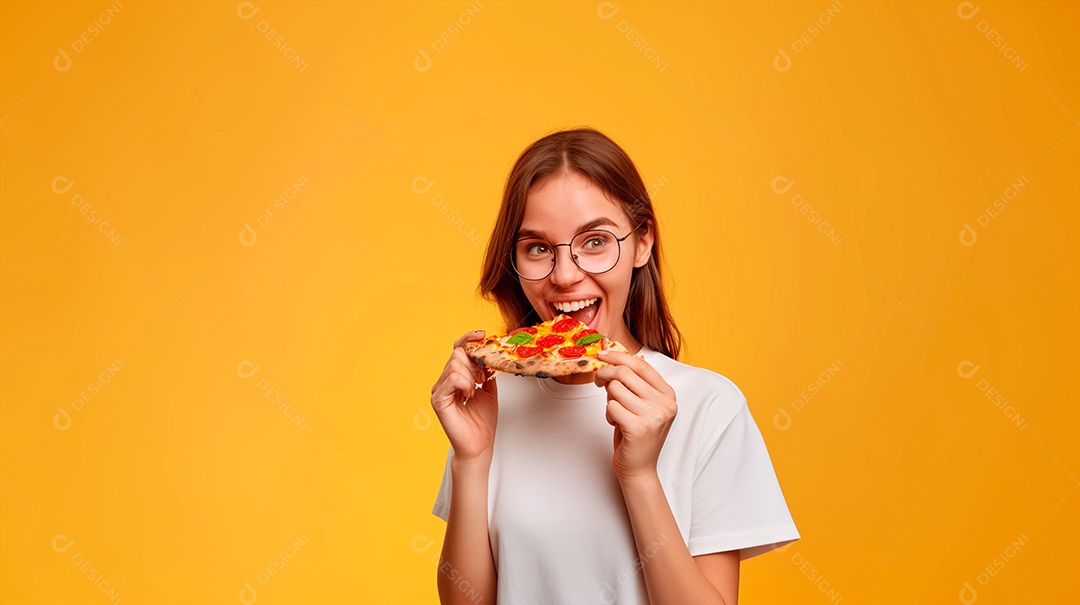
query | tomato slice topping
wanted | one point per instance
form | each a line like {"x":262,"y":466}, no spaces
{"x":572,"y":352}
{"x":565,"y":325}
{"x":530,"y":330}
{"x":524,"y":351}
{"x":550,"y":340}
{"x":584,"y":332}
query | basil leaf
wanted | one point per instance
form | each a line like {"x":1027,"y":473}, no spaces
{"x":588,"y":339}
{"x":520,"y":338}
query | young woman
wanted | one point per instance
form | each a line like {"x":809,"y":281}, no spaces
{"x":646,"y":481}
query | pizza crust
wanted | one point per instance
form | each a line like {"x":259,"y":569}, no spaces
{"x":491,"y":354}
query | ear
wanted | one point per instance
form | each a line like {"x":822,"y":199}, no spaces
{"x":643,"y":250}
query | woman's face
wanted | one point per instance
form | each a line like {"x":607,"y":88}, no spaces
{"x":557,"y":209}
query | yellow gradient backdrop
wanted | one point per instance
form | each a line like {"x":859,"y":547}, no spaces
{"x":218,"y":217}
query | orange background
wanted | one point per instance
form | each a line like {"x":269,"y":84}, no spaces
{"x":819,"y":171}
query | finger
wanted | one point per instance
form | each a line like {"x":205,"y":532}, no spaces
{"x":461,"y":363}
{"x":629,"y":378}
{"x":469,"y":336}
{"x":619,"y":416}
{"x":447,"y":394}
{"x":640,"y":367}
{"x":634,"y":404}
{"x":458,"y":360}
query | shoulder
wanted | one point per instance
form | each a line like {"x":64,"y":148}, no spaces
{"x":710,"y":404}
{"x":698,"y":387}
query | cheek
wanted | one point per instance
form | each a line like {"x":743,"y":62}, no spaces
{"x":532,"y":292}
{"x":616,"y":286}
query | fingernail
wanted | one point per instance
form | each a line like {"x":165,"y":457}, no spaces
{"x":602,"y":352}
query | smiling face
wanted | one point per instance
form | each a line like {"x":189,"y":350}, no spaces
{"x":558,"y":208}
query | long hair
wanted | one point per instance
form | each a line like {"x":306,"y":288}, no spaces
{"x":592,"y":154}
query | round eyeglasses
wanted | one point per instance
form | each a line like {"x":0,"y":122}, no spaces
{"x":594,"y":251}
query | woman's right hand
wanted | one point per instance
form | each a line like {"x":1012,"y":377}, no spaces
{"x":467,"y":413}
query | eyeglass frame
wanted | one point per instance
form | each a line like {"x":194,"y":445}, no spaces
{"x":573,"y":257}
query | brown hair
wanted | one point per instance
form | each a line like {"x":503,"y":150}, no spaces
{"x":593,"y":155}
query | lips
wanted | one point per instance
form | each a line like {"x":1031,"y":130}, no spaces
{"x":584,"y":309}
{"x":575,"y":305}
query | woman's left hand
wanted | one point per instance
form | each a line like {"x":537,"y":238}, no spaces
{"x":641,"y":406}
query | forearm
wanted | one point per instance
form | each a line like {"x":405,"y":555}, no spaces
{"x":672,"y":577}
{"x":466,"y":569}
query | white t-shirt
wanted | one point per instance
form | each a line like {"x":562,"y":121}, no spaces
{"x":558,"y":525}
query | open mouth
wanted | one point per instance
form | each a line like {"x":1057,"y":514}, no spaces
{"x":586,"y":310}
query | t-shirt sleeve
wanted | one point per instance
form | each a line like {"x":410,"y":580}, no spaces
{"x":442,"y":501}
{"x":737,"y":503}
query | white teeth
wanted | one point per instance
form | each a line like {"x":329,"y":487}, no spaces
{"x":576,"y":305}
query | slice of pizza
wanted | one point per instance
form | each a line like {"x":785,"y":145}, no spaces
{"x":559,"y":347}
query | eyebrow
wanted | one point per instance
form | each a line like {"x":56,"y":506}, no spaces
{"x":593,"y":224}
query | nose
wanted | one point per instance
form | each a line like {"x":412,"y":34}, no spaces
{"x":566,"y":271}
